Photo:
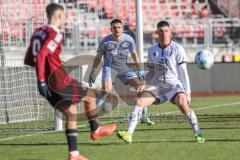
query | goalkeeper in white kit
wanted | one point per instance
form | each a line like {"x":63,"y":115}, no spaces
{"x":168,"y":81}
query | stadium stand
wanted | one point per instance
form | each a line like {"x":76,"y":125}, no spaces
{"x":88,"y":20}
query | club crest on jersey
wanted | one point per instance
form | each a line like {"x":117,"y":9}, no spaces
{"x":111,"y":46}
{"x":124,"y":44}
{"x":58,"y":38}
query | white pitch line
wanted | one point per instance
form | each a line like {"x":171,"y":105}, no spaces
{"x":208,"y":107}
{"x":197,"y":109}
{"x":29,"y":135}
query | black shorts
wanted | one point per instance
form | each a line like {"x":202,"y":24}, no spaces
{"x":72,"y":94}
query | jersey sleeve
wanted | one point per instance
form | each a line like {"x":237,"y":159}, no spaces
{"x":149,"y":59}
{"x":132,"y":45}
{"x":28,"y":59}
{"x":182,"y":69}
{"x":149,"y":67}
{"x":48,"y":47}
{"x":181,"y":56}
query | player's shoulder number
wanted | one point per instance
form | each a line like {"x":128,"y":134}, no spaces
{"x":36,"y":46}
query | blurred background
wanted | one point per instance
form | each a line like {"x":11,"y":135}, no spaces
{"x":197,"y":24}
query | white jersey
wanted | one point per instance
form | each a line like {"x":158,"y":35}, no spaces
{"x":171,"y":60}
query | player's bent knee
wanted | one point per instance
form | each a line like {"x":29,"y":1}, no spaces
{"x":70,"y":112}
{"x":90,"y":96}
{"x":185,"y":109}
{"x":181,"y":99}
{"x":140,"y":102}
{"x":145,"y":99}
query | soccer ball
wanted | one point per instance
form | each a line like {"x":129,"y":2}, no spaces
{"x":204,"y":59}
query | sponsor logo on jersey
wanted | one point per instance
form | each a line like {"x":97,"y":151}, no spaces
{"x":52,"y":46}
{"x":155,"y":54}
{"x":115,"y":52}
{"x":58,"y":37}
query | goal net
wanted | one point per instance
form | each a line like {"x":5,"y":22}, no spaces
{"x":22,"y":110}
{"x":21,"y":107}
{"x":19,"y":98}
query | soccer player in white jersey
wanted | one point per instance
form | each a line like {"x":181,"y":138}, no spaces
{"x":168,"y":75}
{"x":115,"y":48}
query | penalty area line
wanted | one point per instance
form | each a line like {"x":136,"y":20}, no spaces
{"x":45,"y":132}
{"x":208,"y":107}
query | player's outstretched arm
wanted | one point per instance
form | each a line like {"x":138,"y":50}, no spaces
{"x":140,"y":72}
{"x":184,"y":78}
{"x":183,"y":73}
{"x":149,"y":68}
{"x":96,"y":61}
{"x":49,"y":46}
{"x":136,"y":60}
{"x":92,"y":76}
{"x":41,"y":52}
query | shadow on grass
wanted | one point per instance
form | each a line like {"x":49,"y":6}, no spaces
{"x":119,"y":142}
{"x":62,"y":143}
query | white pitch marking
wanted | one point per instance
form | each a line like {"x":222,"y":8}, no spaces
{"x":208,"y":107}
{"x":29,"y":135}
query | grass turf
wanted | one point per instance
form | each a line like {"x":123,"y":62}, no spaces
{"x":170,"y":139}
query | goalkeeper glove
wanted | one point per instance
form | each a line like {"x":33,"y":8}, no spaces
{"x":43,"y":89}
{"x":141,"y":75}
{"x":92,"y":78}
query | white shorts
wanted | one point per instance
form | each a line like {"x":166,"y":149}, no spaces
{"x":170,"y":95}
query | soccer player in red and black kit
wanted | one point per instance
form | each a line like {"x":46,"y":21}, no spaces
{"x":62,"y":91}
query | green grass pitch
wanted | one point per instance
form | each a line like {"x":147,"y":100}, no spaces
{"x":170,"y":139}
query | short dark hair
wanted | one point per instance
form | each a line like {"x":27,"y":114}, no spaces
{"x":115,"y":21}
{"x":163,"y":24}
{"x":51,"y":8}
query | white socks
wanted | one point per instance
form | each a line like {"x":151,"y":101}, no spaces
{"x":135,"y":116}
{"x":192,"y":118}
{"x":74,"y":153}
